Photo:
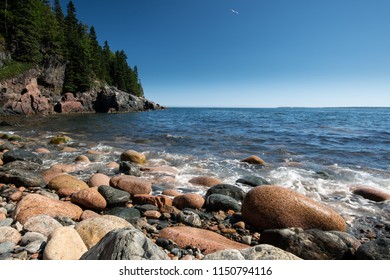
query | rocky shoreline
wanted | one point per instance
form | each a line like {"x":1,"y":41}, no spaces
{"x":86,"y":206}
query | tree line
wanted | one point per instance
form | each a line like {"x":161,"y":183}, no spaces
{"x":36,"y":31}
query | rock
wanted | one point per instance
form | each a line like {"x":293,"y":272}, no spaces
{"x":89,"y":199}
{"x":68,"y":182}
{"x":6,"y":222}
{"x":229,"y":190}
{"x":64,"y":244}
{"x":25,"y":178}
{"x":94,"y":229}
{"x":254,"y":160}
{"x":98,"y":180}
{"x":82,"y":159}
{"x":88,"y":214}
{"x":189,"y":218}
{"x":60,"y":139}
{"x":67,"y":107}
{"x":252,"y":181}
{"x":133,"y":156}
{"x":6,"y":247}
{"x":114,"y":197}
{"x":260,"y":252}
{"x":125,"y":244}
{"x":65,"y":168}
{"x":35,"y":246}
{"x":166,"y":170}
{"x":194,"y":201}
{"x":378,"y":249}
{"x":159,"y":201}
{"x":171,"y":192}
{"x":272,"y":207}
{"x":48,"y":194}
{"x":69,"y":150}
{"x":16,"y":196}
{"x":31,"y":237}
{"x":50,"y":174}
{"x":21,"y":155}
{"x":131,"y":184}
{"x":312,"y":244}
{"x":371,"y":193}
{"x":152,"y":214}
{"x":43,"y":224}
{"x":129,"y":214}
{"x":3,"y":216}
{"x":207,"y":241}
{"x":9,"y":234}
{"x":112,"y":165}
{"x":205,"y":181}
{"x":216,"y":202}
{"x":34,"y":204}
{"x":129,"y":168}
{"x":42,"y":151}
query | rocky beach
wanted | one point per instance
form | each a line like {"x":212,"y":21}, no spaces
{"x":62,"y":200}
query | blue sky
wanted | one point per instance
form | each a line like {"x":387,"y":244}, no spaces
{"x":272,"y":53}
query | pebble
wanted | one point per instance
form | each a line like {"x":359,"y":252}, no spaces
{"x":153,"y":214}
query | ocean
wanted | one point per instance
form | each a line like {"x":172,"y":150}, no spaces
{"x":320,"y":152}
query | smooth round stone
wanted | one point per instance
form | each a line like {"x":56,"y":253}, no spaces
{"x":6,"y":222}
{"x":31,"y":237}
{"x":133,"y":156}
{"x":205,"y":181}
{"x":131,"y":184}
{"x":89,"y":199}
{"x":252,"y":181}
{"x":43,"y":224}
{"x":35,"y":246}
{"x":98,"y":180}
{"x":216,"y":202}
{"x":6,"y":247}
{"x":194,"y":201}
{"x":68,"y":182}
{"x":254,"y":160}
{"x":9,"y":234}
{"x":371,"y":193}
{"x":129,"y":214}
{"x":226,"y":189}
{"x":114,"y":197}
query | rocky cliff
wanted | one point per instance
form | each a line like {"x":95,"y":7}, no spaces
{"x":38,"y":91}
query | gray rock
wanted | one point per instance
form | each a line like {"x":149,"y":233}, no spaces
{"x":312,"y":244}
{"x":125,"y":244}
{"x":6,"y":247}
{"x":216,"y":202}
{"x":6,"y":223}
{"x":252,"y":181}
{"x":226,"y":189}
{"x":189,"y":218}
{"x":31,"y":237}
{"x":42,"y":224}
{"x":260,"y":252}
{"x":129,"y":169}
{"x":48,"y":194}
{"x":378,"y":249}
{"x":21,"y":155}
{"x":129,"y":214}
{"x":22,"y":165}
{"x":114,"y":197}
{"x":35,"y":246}
{"x":25,"y":178}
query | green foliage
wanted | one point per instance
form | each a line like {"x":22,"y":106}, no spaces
{"x":13,"y":69}
{"x":34,"y":32}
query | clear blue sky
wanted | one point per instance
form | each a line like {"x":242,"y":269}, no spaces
{"x":271,"y":53}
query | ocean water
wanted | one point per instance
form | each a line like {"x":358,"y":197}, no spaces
{"x":320,"y":152}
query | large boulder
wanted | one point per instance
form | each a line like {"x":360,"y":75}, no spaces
{"x":207,"y":241}
{"x":94,"y":229}
{"x":272,"y":207}
{"x":312,"y":244}
{"x":64,"y":244}
{"x":125,"y":244}
{"x":34,"y":204}
{"x":131,"y":184}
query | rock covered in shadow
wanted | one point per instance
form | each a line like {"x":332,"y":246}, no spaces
{"x":216,"y":202}
{"x":378,"y":249}
{"x":129,"y":214}
{"x":114,"y":197}
{"x":125,"y":244}
{"x":226,"y":189}
{"x":21,"y":155}
{"x":252,"y":181}
{"x":129,"y":168}
{"x":312,"y":244}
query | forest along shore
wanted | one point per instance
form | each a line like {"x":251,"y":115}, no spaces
{"x":98,"y":203}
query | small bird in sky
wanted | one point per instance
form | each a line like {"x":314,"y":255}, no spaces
{"x":234,"y":11}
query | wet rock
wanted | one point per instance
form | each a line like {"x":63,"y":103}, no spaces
{"x":189,"y":218}
{"x":60,"y":139}
{"x":260,"y":252}
{"x":82,"y":159}
{"x":64,"y":244}
{"x":254,"y":160}
{"x":129,"y":214}
{"x":68,"y":182}
{"x":125,"y":244}
{"x":378,"y":249}
{"x":229,"y":190}
{"x":98,"y":180}
{"x":270,"y":207}
{"x":9,"y":234}
{"x":216,"y":202}
{"x":312,"y":244}
{"x":161,"y":170}
{"x":252,"y":181}
{"x":34,"y":204}
{"x":43,"y":224}
{"x":205,"y":181}
{"x":194,"y":201}
{"x":114,"y":197}
{"x":133,"y":156}
{"x":94,"y":229}
{"x":171,"y":192}
{"x":25,"y":178}
{"x":129,"y":168}
{"x":371,"y":193}
{"x":131,"y":184}
{"x":21,"y":155}
{"x":42,"y":151}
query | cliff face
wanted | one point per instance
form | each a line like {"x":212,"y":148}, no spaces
{"x":38,"y":91}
